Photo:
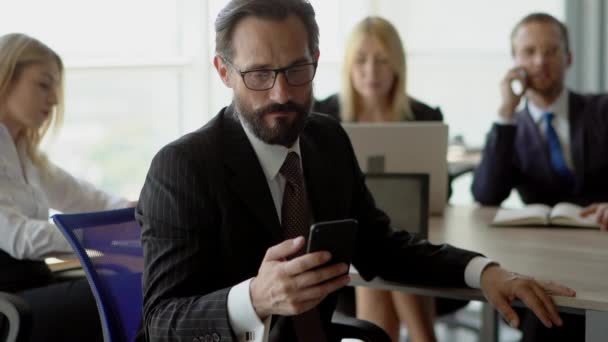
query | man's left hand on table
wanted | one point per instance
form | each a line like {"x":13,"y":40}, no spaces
{"x":501,"y":287}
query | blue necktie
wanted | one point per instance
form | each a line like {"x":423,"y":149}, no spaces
{"x":556,"y":154}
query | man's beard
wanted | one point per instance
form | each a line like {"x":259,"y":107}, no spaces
{"x":283,"y":132}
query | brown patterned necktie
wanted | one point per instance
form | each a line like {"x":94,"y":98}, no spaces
{"x":294,"y":212}
{"x":295,"y":221}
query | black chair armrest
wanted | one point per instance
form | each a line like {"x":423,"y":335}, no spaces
{"x":349,"y":327}
{"x":17,"y":316}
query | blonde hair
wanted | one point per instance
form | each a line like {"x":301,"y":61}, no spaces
{"x":18,"y":51}
{"x":387,"y":35}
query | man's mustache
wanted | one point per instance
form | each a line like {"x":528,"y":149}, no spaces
{"x":289,"y":106}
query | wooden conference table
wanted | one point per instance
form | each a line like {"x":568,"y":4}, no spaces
{"x":574,"y":257}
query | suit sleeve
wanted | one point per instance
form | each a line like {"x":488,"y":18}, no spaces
{"x":496,"y":175}
{"x":184,"y":297}
{"x":379,"y":248}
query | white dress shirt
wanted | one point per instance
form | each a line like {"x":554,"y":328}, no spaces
{"x":246,"y":325}
{"x":27,"y":193}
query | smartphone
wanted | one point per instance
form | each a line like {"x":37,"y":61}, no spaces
{"x":518,"y":86}
{"x":337,"y":237}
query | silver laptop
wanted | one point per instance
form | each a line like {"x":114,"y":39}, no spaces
{"x":416,"y":147}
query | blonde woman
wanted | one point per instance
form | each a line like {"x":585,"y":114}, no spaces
{"x":374,"y":90}
{"x":374,"y":79}
{"x":31,"y":87}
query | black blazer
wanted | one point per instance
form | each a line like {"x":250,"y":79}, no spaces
{"x":422,"y":112}
{"x":208,"y":218}
{"x":516,"y":156}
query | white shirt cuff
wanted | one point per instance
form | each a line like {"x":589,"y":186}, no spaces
{"x":472,"y":273}
{"x":245,"y":323}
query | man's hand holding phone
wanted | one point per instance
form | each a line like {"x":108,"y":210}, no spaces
{"x":517,"y":78}
{"x":290,"y":287}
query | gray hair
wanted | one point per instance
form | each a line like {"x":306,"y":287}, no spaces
{"x":236,"y":10}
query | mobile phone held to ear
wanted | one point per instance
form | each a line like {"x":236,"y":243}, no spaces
{"x":337,"y":237}
{"x":519,"y":86}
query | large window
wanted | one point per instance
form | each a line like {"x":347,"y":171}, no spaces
{"x":134,"y":80}
{"x":140,"y":73}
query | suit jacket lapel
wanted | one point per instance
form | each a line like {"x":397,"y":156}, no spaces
{"x":245,"y":175}
{"x":577,"y":136}
{"x":317,"y":174}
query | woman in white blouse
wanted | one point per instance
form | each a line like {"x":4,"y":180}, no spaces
{"x":31,"y":76}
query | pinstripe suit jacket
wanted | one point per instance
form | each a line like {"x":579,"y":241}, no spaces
{"x":208,"y":218}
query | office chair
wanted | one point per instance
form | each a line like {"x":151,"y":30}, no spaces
{"x":108,"y":246}
{"x":404,"y":197}
{"x":15,"y":318}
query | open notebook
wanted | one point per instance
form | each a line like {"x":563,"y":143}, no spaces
{"x":562,"y":214}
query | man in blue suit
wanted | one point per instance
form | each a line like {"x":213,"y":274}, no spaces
{"x":520,"y":151}
{"x":555,"y":149}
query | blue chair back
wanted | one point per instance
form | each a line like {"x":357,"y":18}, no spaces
{"x":108,"y":246}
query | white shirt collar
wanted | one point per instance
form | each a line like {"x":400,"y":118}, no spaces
{"x":559,"y":108}
{"x":271,"y":157}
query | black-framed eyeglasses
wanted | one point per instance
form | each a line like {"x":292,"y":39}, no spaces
{"x":264,"y":79}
